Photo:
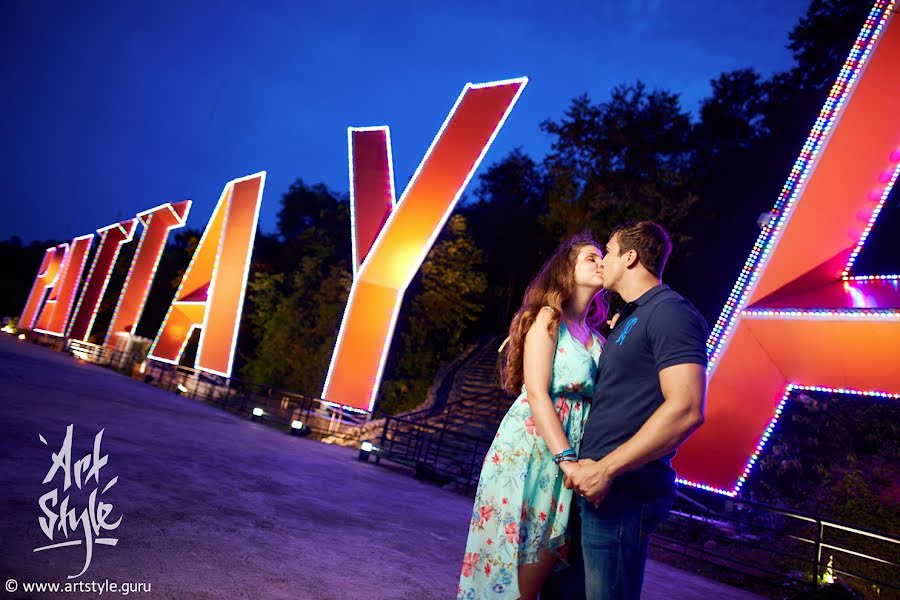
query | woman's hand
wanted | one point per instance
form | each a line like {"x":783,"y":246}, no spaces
{"x":612,"y":322}
{"x":568,"y":468}
{"x":591,"y":480}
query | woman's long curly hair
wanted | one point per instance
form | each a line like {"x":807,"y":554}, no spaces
{"x":552,"y":286}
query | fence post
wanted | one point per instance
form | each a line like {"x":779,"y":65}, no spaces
{"x":381,"y":441}
{"x":440,"y":443}
{"x":417,"y":443}
{"x":818,"y":558}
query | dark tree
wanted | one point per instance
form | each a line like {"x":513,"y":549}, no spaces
{"x":296,"y":298}
{"x":20,"y":267}
{"x":511,"y":196}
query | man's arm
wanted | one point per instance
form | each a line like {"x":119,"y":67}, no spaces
{"x":684,"y":389}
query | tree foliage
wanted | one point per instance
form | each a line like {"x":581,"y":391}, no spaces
{"x":439,"y":309}
{"x":296,"y":296}
{"x":623,"y":159}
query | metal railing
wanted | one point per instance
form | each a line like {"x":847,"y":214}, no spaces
{"x":778,"y":547}
{"x":118,"y":360}
{"x":436,"y":452}
{"x":272,"y":405}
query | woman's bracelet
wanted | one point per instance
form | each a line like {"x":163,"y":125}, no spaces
{"x":567,"y":455}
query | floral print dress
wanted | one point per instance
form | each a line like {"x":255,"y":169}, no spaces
{"x":521,"y":505}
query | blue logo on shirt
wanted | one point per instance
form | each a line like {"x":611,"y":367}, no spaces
{"x":628,"y":325}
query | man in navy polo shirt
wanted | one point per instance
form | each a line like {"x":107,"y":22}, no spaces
{"x":649,"y":397}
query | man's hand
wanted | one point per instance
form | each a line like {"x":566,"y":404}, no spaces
{"x":592,"y":480}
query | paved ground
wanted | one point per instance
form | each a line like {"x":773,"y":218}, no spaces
{"x":214,"y":506}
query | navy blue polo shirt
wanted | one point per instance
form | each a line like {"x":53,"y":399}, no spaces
{"x":663,"y":329}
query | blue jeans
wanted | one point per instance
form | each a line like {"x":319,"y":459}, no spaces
{"x":614,"y":540}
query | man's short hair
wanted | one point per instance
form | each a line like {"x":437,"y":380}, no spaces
{"x":650,"y":240}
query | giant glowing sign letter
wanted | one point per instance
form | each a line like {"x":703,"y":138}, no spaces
{"x":54,"y":317}
{"x":111,"y":239}
{"x":372,"y":195}
{"x":157,"y":223}
{"x":211,"y":293}
{"x":796,"y":319}
{"x":404,"y":240}
{"x":43,"y":282}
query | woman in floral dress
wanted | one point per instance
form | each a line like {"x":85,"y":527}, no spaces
{"x":519,"y":525}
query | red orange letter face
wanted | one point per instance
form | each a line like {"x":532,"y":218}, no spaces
{"x":43,"y":283}
{"x":387,"y":264}
{"x":111,"y":239}
{"x":796,"y":319}
{"x":54,"y":316}
{"x":211,"y":294}
{"x":157,"y":222}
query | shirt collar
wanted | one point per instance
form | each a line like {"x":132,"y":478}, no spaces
{"x":630,"y":307}
{"x":646,"y":296}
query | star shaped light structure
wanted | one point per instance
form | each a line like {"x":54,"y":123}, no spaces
{"x":798,"y":318}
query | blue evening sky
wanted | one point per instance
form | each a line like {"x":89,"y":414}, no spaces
{"x":110,"y":108}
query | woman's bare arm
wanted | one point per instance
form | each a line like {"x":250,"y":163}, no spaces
{"x":540,"y":350}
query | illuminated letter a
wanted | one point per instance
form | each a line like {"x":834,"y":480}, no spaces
{"x":211,"y":293}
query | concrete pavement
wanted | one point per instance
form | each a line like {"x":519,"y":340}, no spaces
{"x":215,"y":506}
